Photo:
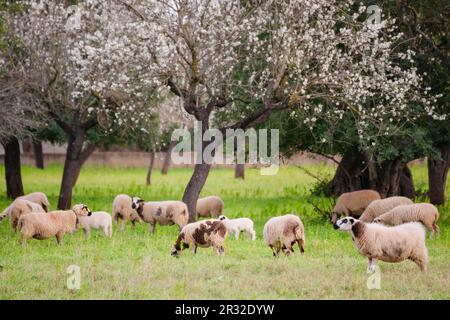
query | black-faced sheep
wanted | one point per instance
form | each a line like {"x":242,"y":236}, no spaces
{"x":211,"y":206}
{"x":353,"y":203}
{"x":281,"y":233}
{"x":236,"y":226}
{"x":161,"y":212}
{"x":48,"y":224}
{"x":205,"y":233}
{"x":98,"y":220}
{"x":390,"y":244}
{"x":122,"y":209}
{"x":425,"y":213}
{"x":378,"y":207}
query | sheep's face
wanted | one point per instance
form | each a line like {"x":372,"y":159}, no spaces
{"x":81,"y":210}
{"x":175,"y":252}
{"x":377,"y":220}
{"x":136,"y":203}
{"x":345,"y":224}
{"x":222,"y":217}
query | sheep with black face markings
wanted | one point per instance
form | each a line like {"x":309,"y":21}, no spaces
{"x":48,"y":224}
{"x":353,"y":203}
{"x":425,"y":213}
{"x":162,"y":212}
{"x":389,"y":244}
{"x":238,"y":225}
{"x":281,"y":233}
{"x":122,"y":209}
{"x":378,"y":207}
{"x":205,"y":233}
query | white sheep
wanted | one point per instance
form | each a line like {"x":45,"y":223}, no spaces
{"x":353,"y":203}
{"x":390,"y":244}
{"x":211,"y":206}
{"x":36,"y":197}
{"x":281,"y":233}
{"x":20,"y":207}
{"x":48,"y":224}
{"x":205,"y":233}
{"x":236,"y":226}
{"x":162,"y":212}
{"x":378,"y":207}
{"x":122,"y":209}
{"x":98,"y":220}
{"x":425,"y":213}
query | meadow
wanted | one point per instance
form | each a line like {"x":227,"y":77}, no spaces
{"x":135,"y":265}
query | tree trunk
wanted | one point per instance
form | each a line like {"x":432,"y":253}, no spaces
{"x":76,"y":156}
{"x":27,"y":145}
{"x":239,"y":171}
{"x":407,"y":188}
{"x":150,"y":168}
{"x":13,"y":175}
{"x":194,"y":188}
{"x":38,"y":154}
{"x":167,"y":157}
{"x":437,"y":176}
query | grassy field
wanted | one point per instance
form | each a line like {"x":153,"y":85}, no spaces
{"x":135,"y":265}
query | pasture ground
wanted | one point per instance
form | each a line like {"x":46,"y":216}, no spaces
{"x":135,"y":265}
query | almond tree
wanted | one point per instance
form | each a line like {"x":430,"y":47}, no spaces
{"x":234,"y":64}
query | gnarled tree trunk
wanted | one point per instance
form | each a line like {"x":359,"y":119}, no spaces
{"x":38,"y":154}
{"x":76,"y":156}
{"x":194,"y":188}
{"x":437,"y":176}
{"x":239,"y":171}
{"x":166,"y":163}
{"x":13,"y":175}
{"x":150,"y":168}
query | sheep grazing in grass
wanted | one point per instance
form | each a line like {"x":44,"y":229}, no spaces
{"x":21,"y":207}
{"x":36,"y":197}
{"x":353,"y":203}
{"x":162,"y":212}
{"x":236,"y":226}
{"x":378,"y":207}
{"x":211,"y":206}
{"x":205,"y":233}
{"x":98,"y":220}
{"x":281,"y":233}
{"x":425,"y":213}
{"x":390,"y":244}
{"x":122,"y":209}
{"x":48,"y":224}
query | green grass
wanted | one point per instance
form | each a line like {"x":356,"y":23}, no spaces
{"x":135,"y":265}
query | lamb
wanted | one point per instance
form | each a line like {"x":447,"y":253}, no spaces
{"x":98,"y":220}
{"x":211,"y":206}
{"x":235,"y":226}
{"x":162,"y":212}
{"x":205,"y":233}
{"x":425,"y":213}
{"x":389,"y":244}
{"x":378,"y":207}
{"x":353,"y":203}
{"x":281,"y":233}
{"x":45,"y":225}
{"x":122,"y":210}
{"x":20,"y":207}
{"x":35,"y":197}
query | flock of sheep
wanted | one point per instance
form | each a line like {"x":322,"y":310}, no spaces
{"x":382,"y":229}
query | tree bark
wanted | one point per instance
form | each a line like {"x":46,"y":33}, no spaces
{"x":437,"y":176}
{"x":167,"y":161}
{"x":13,"y":175}
{"x":150,"y":168}
{"x":76,"y":156}
{"x":407,"y":188}
{"x":239,"y":171}
{"x":38,"y":154}
{"x":194,"y":188}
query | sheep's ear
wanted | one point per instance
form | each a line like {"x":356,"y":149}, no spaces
{"x":352,"y":221}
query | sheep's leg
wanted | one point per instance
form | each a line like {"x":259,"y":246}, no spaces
{"x":59,"y":236}
{"x":23,"y":239}
{"x":436,"y":230}
{"x":252,"y":234}
{"x":116,"y":218}
{"x":152,"y":228}
{"x":236,"y":234}
{"x":87,"y":232}
{"x":219,"y":250}
{"x":14,"y":224}
{"x":275,"y":250}
{"x":194,"y":249}
{"x":301,"y":245}
{"x":123,"y":225}
{"x":371,"y":266}
{"x":133,"y":223}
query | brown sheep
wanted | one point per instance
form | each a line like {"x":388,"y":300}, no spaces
{"x":353,"y":203}
{"x":20,"y":207}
